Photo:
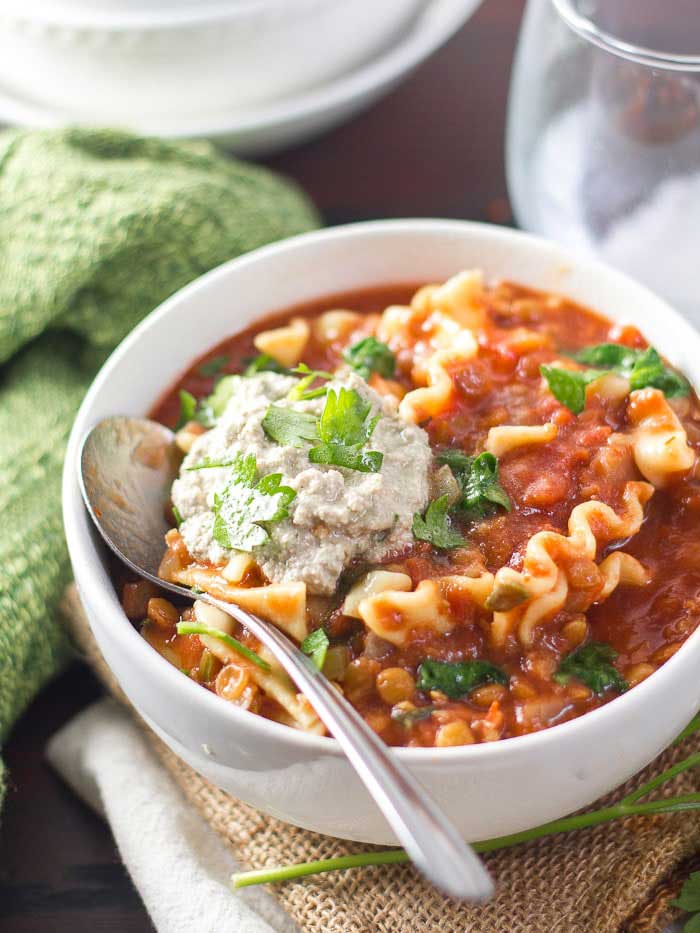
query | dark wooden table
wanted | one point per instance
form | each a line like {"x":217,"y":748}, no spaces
{"x":433,"y":148}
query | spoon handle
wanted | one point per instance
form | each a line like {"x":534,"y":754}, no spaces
{"x":425,"y":832}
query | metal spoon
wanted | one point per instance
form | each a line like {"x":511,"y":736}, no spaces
{"x":127,"y":467}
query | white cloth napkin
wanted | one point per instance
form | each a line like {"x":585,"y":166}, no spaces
{"x":177,"y":862}
{"x":179,"y":865}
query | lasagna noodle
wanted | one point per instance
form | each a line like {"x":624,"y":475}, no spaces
{"x":394,"y":614}
{"x":659,"y":442}
{"x":543,"y":583}
{"x":283,"y":604}
{"x":275,"y":683}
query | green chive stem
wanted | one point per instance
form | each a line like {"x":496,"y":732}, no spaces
{"x":626,"y":807}
{"x":691,"y":762}
{"x":245,"y":879}
{"x":192,"y":628}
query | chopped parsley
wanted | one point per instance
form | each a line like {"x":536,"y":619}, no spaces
{"x":264,"y":363}
{"x":315,"y":646}
{"x":289,"y":427}
{"x":477,"y":477}
{"x":214,"y":366}
{"x":194,"y":628}
{"x":458,"y":679}
{"x":371,"y":355}
{"x":245,"y":506}
{"x":208,"y":464}
{"x":188,"y":409}
{"x":592,"y":665}
{"x":436,"y":526}
{"x":343,"y":430}
{"x":301,"y":391}
{"x":213,"y":407}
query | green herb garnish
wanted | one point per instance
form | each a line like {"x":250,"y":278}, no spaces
{"x":592,"y":665}
{"x":188,"y":409}
{"x":689,"y":901}
{"x":214,"y":366}
{"x":246,"y":507}
{"x":568,"y":386}
{"x":436,"y":526}
{"x":643,"y":368}
{"x":289,"y":427}
{"x":264,"y":363}
{"x":316,"y":645}
{"x":478,"y":480}
{"x":208,"y":464}
{"x":371,"y":355}
{"x":301,"y":391}
{"x":213,"y":407}
{"x":610,"y":356}
{"x":458,"y":679}
{"x":177,"y":516}
{"x":194,"y":628}
{"x":649,"y":370}
{"x":343,"y":430}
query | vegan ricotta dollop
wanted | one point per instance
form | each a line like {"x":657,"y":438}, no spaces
{"x":338,"y":515}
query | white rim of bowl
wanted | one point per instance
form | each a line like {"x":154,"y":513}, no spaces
{"x":85,"y":553}
{"x":430,"y":30}
{"x":54,"y":16}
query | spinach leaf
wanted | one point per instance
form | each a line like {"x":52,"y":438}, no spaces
{"x":643,"y":368}
{"x":478,"y":479}
{"x":188,"y":409}
{"x":371,"y":355}
{"x":568,"y":386}
{"x":592,"y":665}
{"x":649,"y":370}
{"x":263,"y":363}
{"x":458,"y":679}
{"x":214,"y":366}
{"x":436,"y":526}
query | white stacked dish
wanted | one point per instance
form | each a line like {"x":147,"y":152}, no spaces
{"x":256,"y":74}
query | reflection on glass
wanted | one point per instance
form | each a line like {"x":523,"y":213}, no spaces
{"x":604,"y":135}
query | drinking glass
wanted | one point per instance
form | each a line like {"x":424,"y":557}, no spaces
{"x":603,"y":141}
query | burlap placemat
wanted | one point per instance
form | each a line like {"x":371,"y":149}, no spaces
{"x":616,"y":877}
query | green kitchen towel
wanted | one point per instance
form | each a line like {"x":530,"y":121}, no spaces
{"x":97,"y":227}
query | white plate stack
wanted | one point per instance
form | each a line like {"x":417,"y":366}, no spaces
{"x":255,"y":74}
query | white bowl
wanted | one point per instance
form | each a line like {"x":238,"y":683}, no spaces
{"x":101,"y":64}
{"x":489,"y":789}
{"x":268,"y":127}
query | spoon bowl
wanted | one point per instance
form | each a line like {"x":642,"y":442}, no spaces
{"x":127,"y":466}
